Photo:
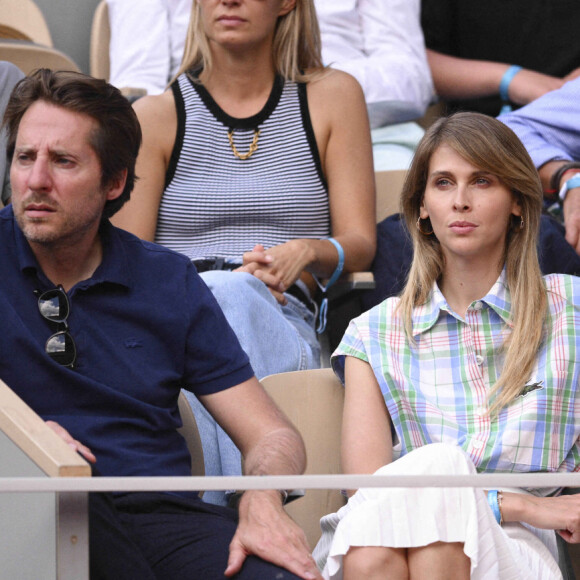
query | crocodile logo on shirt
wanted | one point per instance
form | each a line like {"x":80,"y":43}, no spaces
{"x":531,"y":387}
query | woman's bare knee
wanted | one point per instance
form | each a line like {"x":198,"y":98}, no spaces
{"x":375,"y":563}
{"x":439,"y":561}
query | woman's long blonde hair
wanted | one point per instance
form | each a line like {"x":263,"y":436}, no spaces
{"x":296,"y":48}
{"x":491,"y":146}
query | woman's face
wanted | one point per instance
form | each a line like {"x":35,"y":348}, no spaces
{"x":469,"y":209}
{"x":237,"y":24}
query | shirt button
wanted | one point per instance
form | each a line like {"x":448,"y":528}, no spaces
{"x":477,"y":444}
{"x":480,"y":411}
{"x":478,"y":305}
{"x":479,"y":360}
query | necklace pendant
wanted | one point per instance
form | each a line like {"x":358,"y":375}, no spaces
{"x":251,"y":150}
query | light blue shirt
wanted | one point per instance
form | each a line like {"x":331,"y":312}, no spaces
{"x":549,"y":127}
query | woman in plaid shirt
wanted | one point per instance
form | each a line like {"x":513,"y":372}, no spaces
{"x":472,"y":369}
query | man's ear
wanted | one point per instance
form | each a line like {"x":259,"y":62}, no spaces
{"x":117,"y":185}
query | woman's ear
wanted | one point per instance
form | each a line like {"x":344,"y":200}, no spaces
{"x":287,"y":6}
{"x":423,"y":213}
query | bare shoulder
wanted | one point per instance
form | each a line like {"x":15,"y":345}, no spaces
{"x":158,"y":119}
{"x":335,"y":86}
{"x":156,"y":109}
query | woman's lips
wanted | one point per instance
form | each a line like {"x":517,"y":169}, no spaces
{"x":462,"y":227}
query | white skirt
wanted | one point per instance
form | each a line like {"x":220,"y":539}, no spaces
{"x":413,"y":517}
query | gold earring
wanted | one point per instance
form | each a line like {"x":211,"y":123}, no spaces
{"x":521,"y":223}
{"x":418,"y":224}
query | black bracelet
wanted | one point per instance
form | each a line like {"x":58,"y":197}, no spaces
{"x":235,"y":497}
{"x":557,"y":175}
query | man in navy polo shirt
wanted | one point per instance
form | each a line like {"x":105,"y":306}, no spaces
{"x":101,"y":331}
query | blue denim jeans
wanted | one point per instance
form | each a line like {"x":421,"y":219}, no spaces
{"x":276,"y":338}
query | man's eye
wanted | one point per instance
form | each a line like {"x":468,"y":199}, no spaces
{"x":64,"y":161}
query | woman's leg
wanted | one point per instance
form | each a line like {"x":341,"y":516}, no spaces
{"x":439,"y":561}
{"x":375,"y":563}
{"x":435,"y":519}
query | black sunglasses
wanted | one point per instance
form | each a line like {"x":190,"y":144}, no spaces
{"x":54,"y":306}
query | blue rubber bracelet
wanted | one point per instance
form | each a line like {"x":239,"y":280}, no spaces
{"x":570,"y":184}
{"x":339,"y":266}
{"x":335,"y":276}
{"x":507,"y":78}
{"x":494,"y":504}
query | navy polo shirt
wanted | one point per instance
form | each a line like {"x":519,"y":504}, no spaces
{"x":145,"y":325}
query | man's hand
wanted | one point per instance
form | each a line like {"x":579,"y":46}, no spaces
{"x":572,"y":218}
{"x":265,"y":530}
{"x":76,"y":445}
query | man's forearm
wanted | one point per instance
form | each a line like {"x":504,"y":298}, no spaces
{"x":280,"y":452}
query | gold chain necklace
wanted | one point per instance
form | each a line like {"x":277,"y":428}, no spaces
{"x":251,"y":150}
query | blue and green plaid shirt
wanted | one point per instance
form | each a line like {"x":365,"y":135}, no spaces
{"x":436,"y":389}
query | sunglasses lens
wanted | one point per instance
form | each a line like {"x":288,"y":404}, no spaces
{"x":61,"y":348}
{"x":53,"y":305}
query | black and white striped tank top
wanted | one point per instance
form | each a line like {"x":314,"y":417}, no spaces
{"x":216,"y":205}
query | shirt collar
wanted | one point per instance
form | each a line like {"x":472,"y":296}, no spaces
{"x":114,"y":268}
{"x":498,"y":299}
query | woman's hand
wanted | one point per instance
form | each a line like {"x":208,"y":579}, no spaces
{"x":560,"y":513}
{"x":280,"y":266}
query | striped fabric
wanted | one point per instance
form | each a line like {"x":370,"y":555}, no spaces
{"x":216,"y":205}
{"x":436,"y":390}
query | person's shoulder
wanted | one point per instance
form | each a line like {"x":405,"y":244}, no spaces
{"x":382,"y":317}
{"x":337,"y":97}
{"x":156,"y":107}
{"x":145,"y":250}
{"x":334,"y":84}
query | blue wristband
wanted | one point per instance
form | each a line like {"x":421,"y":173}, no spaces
{"x":339,"y":266}
{"x":494,"y":505}
{"x":333,"y":278}
{"x":570,"y":184}
{"x":507,"y":78}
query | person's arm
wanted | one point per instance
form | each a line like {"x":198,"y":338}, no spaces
{"x":72,"y":442}
{"x":560,"y":513}
{"x":549,"y":129}
{"x":462,"y":78}
{"x":366,"y":425}
{"x":140,"y":45}
{"x":554,"y":175}
{"x":158,"y":121}
{"x":270,"y":445}
{"x":394,"y":65}
{"x":340,"y":122}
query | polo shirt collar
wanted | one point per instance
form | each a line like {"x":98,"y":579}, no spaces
{"x":426,"y":315}
{"x":115,"y":267}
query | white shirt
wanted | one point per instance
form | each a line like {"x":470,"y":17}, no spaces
{"x":380,"y":43}
{"x":147,"y":41}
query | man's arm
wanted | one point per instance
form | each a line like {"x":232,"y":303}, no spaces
{"x":463,"y":78}
{"x":549,"y":128}
{"x":270,"y":445}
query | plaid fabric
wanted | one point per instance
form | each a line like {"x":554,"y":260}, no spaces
{"x":436,"y":389}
